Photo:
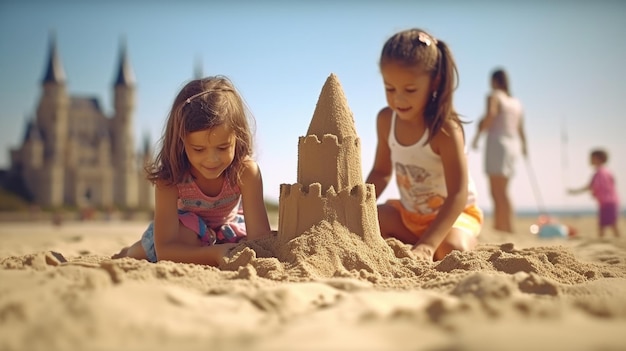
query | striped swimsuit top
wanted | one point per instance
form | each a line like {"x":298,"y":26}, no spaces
{"x":215,"y":211}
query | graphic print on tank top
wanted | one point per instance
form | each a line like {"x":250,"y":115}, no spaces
{"x":416,"y":183}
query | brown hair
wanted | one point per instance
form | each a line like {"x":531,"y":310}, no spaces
{"x":600,"y":154}
{"x":415,"y":47}
{"x":202,"y":104}
{"x":499,"y":77}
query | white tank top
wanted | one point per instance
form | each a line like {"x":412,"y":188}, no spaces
{"x":419,"y":174}
{"x":507,"y":121}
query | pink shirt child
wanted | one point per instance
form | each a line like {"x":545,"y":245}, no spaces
{"x":603,"y":186}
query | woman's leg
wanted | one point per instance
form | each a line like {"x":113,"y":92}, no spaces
{"x":502,"y":211}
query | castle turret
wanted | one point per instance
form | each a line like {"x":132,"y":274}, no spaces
{"x":125,"y":178}
{"x":32,"y":151}
{"x":330,"y":185}
{"x":72,"y":153}
{"x":332,"y":119}
{"x":198,"y":72}
{"x":146,"y":189}
{"x":52,"y":117}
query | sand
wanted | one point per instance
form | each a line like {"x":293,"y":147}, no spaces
{"x":325,"y":280}
{"x":60,"y":291}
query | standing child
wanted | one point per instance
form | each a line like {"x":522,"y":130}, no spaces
{"x":421,"y":137}
{"x":602,"y":187}
{"x":203,"y":170}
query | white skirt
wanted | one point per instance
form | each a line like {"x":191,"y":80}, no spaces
{"x":500,"y":156}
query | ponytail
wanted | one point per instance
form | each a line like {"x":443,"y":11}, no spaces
{"x":444,"y":82}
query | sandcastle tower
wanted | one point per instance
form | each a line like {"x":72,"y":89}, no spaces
{"x":330,"y":185}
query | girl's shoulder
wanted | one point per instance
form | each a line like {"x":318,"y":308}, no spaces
{"x":452,"y":126}
{"x":249,"y":170}
{"x":451,"y":133}
{"x":384,"y":118}
{"x":164,"y":187}
{"x":385,"y":113}
{"x":249,"y":163}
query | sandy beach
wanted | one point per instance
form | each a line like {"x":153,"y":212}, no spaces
{"x":326,"y":280}
{"x":60,"y":290}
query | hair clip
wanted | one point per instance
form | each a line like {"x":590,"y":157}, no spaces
{"x":196,"y":95}
{"x":424,"y":38}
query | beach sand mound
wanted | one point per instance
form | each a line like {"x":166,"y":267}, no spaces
{"x":555,"y":295}
{"x":327,"y":250}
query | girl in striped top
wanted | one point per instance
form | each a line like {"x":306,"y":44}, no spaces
{"x":204,"y":178}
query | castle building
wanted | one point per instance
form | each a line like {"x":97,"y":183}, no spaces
{"x":330,"y":185}
{"x":73,"y":154}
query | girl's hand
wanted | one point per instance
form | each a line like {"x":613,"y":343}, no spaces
{"x":424,"y":252}
{"x":222,"y":250}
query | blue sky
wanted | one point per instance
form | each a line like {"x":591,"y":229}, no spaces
{"x":565,"y":61}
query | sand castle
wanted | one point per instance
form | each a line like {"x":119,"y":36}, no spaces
{"x":328,"y":221}
{"x":329,"y":184}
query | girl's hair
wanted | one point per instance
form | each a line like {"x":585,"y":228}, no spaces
{"x":200,"y":105}
{"x":601,"y":155}
{"x":415,"y":47}
{"x":502,"y":81}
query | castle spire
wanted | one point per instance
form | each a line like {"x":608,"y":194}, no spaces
{"x":332,"y":138}
{"x":198,"y":72}
{"x":332,"y":114}
{"x":330,"y":186}
{"x":54,"y":71}
{"x":32,"y":131}
{"x":125,"y":74}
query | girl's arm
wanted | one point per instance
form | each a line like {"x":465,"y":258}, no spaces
{"x":381,"y":170}
{"x":255,"y":213}
{"x":584,"y":188}
{"x":169,"y":243}
{"x":166,"y":225}
{"x":449,"y":145}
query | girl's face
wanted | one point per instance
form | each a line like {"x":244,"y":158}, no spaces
{"x":408,"y":89}
{"x":210,"y":151}
{"x":595,"y":161}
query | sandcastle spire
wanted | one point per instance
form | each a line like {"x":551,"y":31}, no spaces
{"x":330,"y":153}
{"x":332,"y":114}
{"x":330,"y":187}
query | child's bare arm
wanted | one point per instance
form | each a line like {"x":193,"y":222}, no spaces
{"x":575,"y":191}
{"x":255,"y":213}
{"x":176,"y":244}
{"x":449,"y":145}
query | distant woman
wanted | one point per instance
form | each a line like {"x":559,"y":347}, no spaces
{"x":503,"y":123}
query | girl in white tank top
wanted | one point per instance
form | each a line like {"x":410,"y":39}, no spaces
{"x":421,"y":140}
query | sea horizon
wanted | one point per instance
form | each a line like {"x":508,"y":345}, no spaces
{"x":556,"y":212}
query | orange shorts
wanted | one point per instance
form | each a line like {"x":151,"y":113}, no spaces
{"x":470,"y":220}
